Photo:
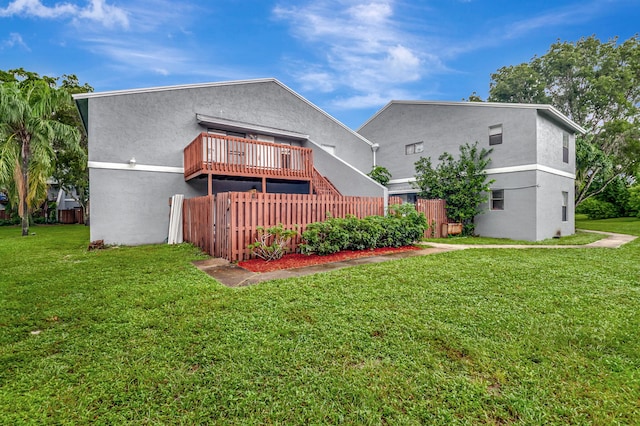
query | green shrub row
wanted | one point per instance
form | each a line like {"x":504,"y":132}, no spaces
{"x":402,"y":226}
{"x":598,"y":209}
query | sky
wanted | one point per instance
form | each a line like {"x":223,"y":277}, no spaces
{"x":348,"y":57}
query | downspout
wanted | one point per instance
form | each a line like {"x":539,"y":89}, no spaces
{"x":374,"y":148}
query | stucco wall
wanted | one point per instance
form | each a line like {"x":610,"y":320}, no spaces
{"x":550,"y":145}
{"x":518,"y":219}
{"x":132,"y":207}
{"x":346,"y":178}
{"x":446,"y":127}
{"x":549,"y":207}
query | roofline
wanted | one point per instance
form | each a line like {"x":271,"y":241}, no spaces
{"x":551,"y":110}
{"x":80,"y":96}
{"x":165,"y":88}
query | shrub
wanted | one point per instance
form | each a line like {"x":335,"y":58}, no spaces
{"x":271,"y":243}
{"x":380,"y":174}
{"x":597,"y":209}
{"x":324,"y":237}
{"x":363,"y":233}
{"x":634,"y":200}
{"x":402,"y":226}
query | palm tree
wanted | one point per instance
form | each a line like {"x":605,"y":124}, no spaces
{"x":28,"y":131}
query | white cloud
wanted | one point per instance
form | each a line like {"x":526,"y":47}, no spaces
{"x":363,"y":44}
{"x":96,"y":11}
{"x":554,"y":18}
{"x":109,"y":16}
{"x":402,"y":63}
{"x":37,"y":9}
{"x":371,"y":100}
{"x":141,"y":55}
{"x":316,"y":81}
{"x":15,"y":39}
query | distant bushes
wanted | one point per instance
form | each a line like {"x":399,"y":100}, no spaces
{"x":402,"y":226}
{"x":598,"y":209}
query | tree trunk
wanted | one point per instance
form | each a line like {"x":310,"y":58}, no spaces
{"x":25,"y":179}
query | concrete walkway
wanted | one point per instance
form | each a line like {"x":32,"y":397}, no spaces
{"x":233,"y":276}
{"x":611,"y":241}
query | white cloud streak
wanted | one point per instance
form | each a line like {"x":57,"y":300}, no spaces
{"x":95,"y":11}
{"x":15,"y":39}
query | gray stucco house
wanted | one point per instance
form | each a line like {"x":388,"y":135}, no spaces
{"x":146,"y":145}
{"x":137,"y":138}
{"x":532,"y":163}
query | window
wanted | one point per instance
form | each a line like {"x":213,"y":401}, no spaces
{"x":414,"y":148}
{"x":497,"y":199}
{"x":565,"y":147}
{"x":565,"y":204}
{"x":495,"y":134}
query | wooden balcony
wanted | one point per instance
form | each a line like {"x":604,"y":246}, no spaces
{"x":211,"y":154}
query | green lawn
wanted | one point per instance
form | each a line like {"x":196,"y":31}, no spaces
{"x":139,"y":335}
{"x":579,"y":238}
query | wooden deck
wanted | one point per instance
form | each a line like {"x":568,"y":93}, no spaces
{"x":210,"y":154}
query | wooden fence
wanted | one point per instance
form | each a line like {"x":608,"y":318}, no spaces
{"x":70,"y":216}
{"x":64,"y":216}
{"x":436,"y":213}
{"x":224,"y":225}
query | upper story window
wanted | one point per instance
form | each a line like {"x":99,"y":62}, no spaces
{"x":565,"y":147}
{"x":497,"y":199}
{"x":495,"y":134}
{"x":414,"y":148}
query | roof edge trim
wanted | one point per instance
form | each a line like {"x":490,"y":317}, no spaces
{"x":551,"y":110}
{"x":165,"y":88}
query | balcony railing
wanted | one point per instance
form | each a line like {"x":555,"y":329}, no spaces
{"x":232,"y":156}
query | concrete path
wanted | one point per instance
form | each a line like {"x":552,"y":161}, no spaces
{"x":233,"y":276}
{"x":611,"y":241}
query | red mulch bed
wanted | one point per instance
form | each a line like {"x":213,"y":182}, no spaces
{"x":297,"y":260}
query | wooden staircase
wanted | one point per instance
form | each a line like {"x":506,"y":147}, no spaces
{"x":322,"y":186}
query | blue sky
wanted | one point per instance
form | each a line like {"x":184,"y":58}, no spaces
{"x":349,"y":57}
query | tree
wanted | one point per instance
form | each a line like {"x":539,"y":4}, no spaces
{"x":595,"y":84}
{"x":29,"y":130}
{"x":462,"y":183}
{"x":380,"y":174}
{"x":70,"y":171}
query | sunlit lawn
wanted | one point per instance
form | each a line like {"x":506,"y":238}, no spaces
{"x":579,"y":238}
{"x":139,"y":335}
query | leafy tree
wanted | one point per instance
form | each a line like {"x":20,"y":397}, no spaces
{"x":462,"y":183}
{"x":70,"y":171}
{"x":474,"y":97}
{"x":596,"y":85}
{"x":380,"y":174}
{"x":70,"y":165}
{"x":29,"y":130}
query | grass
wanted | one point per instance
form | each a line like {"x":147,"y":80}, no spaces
{"x":138,"y":335}
{"x":579,"y":238}
{"x":622,"y":225}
